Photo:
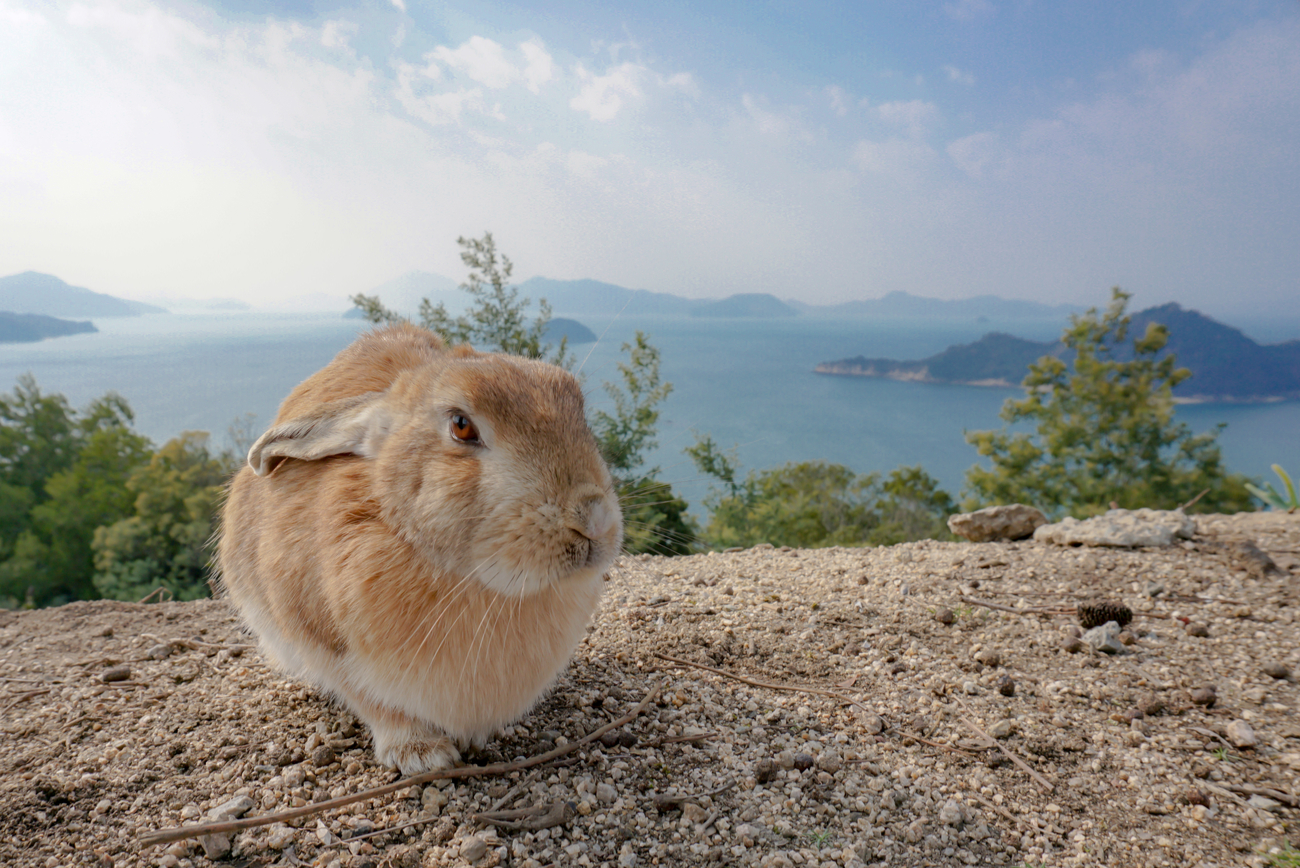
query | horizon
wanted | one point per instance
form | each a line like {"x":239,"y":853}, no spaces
{"x":825,"y":153}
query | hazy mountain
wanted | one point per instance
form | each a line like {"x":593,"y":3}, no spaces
{"x":745,"y":304}
{"x":594,"y":298}
{"x":33,"y":292}
{"x":560,"y":327}
{"x":403,"y":294}
{"x":27,"y":327}
{"x":1225,"y":364}
{"x":896,"y":304}
{"x":199,"y":305}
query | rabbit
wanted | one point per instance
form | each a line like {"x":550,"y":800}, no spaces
{"x":423,"y":533}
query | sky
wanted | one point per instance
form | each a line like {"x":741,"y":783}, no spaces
{"x":823,"y":151}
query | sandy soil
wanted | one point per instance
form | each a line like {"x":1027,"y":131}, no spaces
{"x":888,"y":764}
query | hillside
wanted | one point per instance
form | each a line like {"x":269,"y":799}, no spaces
{"x":33,"y":292}
{"x":1225,"y":364}
{"x":836,"y":707}
{"x":28,"y":327}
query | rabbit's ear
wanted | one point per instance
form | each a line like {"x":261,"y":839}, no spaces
{"x":356,"y":426}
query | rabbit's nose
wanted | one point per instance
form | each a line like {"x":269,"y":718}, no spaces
{"x":597,"y":516}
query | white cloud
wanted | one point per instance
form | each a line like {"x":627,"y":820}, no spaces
{"x":839,"y":100}
{"x":601,"y":96}
{"x":482,"y":60}
{"x":540,"y":67}
{"x":896,"y":159}
{"x":958,"y":75}
{"x":400,"y":4}
{"x":337,"y":34}
{"x":974,"y":152}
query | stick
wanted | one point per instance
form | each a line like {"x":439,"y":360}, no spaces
{"x":166,"y":836}
{"x":1042,"y":781}
{"x":1250,"y":790}
{"x":25,"y":696}
{"x":1013,"y":610}
{"x":770,"y":685}
{"x":1001,"y":810}
{"x":1192,"y":502}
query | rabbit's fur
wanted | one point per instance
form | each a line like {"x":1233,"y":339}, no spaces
{"x":435,"y":586}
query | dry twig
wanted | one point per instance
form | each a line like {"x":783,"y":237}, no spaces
{"x":531,"y":819}
{"x":769,"y":685}
{"x":1252,"y":790}
{"x":1042,"y":781}
{"x":166,"y":836}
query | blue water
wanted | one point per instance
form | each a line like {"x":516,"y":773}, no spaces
{"x":748,"y":383}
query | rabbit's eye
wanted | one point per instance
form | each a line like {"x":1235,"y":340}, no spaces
{"x":463,"y":429}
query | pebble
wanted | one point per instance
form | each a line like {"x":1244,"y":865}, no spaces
{"x":1002,"y":728}
{"x":159,"y":652}
{"x":322,"y":756}
{"x":1105,"y":638}
{"x":785,"y":759}
{"x":116,"y":673}
{"x":950,"y":814}
{"x":945,"y":617}
{"x":1204,"y":696}
{"x":764,"y":770}
{"x":1006,"y":686}
{"x":1199,"y":630}
{"x":874,"y":724}
{"x":694,"y":812}
{"x":803,"y":762}
{"x":988,"y":657}
{"x":1150,"y":705}
{"x":606,"y":793}
{"x":1240,"y":735}
{"x":474,"y":848}
{"x":1073,"y":645}
{"x":1277,"y":670}
{"x":830,"y":761}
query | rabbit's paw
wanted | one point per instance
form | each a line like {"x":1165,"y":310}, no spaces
{"x":412,"y":746}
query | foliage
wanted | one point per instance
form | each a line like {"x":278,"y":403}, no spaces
{"x":1270,"y":495}
{"x":164,"y":542}
{"x":654,"y":518}
{"x":497,"y":319}
{"x":1105,"y":431}
{"x":62,"y":474}
{"x":814,"y":504}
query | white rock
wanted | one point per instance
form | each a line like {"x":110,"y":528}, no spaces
{"x":606,"y":793}
{"x":474,"y":848}
{"x":1123,"y":528}
{"x":1010,"y":521}
{"x":950,"y":813}
{"x":1106,"y":638}
{"x":1240,"y":735}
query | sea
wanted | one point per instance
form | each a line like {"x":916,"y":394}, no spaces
{"x":747,"y":383}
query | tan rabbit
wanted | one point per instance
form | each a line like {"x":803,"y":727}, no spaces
{"x":423,"y":533}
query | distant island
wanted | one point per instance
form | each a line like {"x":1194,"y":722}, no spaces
{"x":45,"y":294}
{"x":560,"y":328}
{"x":745,"y":304}
{"x":20,"y":328}
{"x":1225,"y":364}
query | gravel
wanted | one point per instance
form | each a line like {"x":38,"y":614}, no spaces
{"x":1153,"y":755}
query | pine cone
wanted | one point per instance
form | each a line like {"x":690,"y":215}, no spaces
{"x":1098,"y":612}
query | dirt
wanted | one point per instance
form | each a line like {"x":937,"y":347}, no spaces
{"x":883,"y":760}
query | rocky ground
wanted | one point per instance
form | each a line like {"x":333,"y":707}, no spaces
{"x":889,"y":758}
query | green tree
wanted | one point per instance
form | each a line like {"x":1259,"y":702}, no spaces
{"x":164,"y":542}
{"x":1104,"y":431}
{"x":816,"y":503}
{"x":654,"y":518}
{"x":497,"y":319}
{"x":66,"y":472}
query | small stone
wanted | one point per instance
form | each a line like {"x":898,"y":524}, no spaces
{"x":874,"y":724}
{"x":232,"y":809}
{"x":627,"y":859}
{"x":215,"y":846}
{"x":694,"y":812}
{"x":1150,"y":705}
{"x":1002,"y":728}
{"x":166,"y":860}
{"x":1006,"y":685}
{"x":324,"y":835}
{"x":627,"y":739}
{"x":322,"y":756}
{"x":945,"y":617}
{"x":609,"y":739}
{"x":803,"y":762}
{"x":1154,"y":589}
{"x":1277,"y":670}
{"x":474,"y":849}
{"x":785,"y":759}
{"x":116,"y":673}
{"x":1127,"y":639}
{"x":1105,"y":638}
{"x":1073,"y":645}
{"x":829,"y":761}
{"x":1204,"y":696}
{"x":950,"y":814}
{"x":1196,"y":797}
{"x":1264,"y":803}
{"x":280,"y":836}
{"x":1240,"y":735}
{"x":1122,"y":528}
{"x":1198,"y":630}
{"x":764,"y":770}
{"x":159,"y":652}
{"x":606,"y":793}
{"x":988,"y":657}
